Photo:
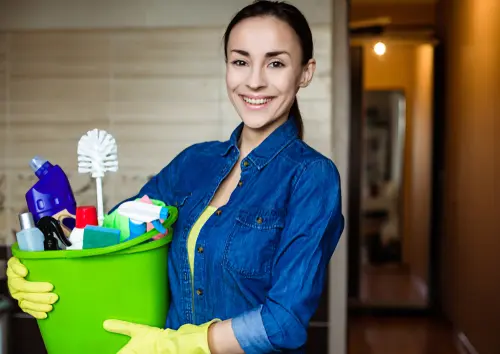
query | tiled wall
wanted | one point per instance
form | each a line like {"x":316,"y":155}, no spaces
{"x":157,"y":91}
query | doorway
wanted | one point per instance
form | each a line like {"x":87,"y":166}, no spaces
{"x":390,"y":176}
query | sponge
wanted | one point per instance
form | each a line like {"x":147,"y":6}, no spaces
{"x":97,"y":237}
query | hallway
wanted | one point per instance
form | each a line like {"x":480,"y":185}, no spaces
{"x":370,"y":335}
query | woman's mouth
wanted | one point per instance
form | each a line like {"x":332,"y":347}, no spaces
{"x":256,"y":102}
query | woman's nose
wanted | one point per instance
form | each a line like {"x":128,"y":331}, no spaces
{"x":256,"y":79}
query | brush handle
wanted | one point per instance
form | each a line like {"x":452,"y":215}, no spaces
{"x":100,"y":205}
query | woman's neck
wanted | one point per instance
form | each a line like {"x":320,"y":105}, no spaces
{"x":251,"y":138}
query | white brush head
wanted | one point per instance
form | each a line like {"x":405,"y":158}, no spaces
{"x":97,"y":153}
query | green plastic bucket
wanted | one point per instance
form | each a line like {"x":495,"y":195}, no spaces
{"x":127,"y":281}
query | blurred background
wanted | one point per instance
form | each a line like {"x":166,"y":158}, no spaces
{"x":404,"y":101}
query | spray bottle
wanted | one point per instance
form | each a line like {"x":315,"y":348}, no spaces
{"x":140,"y":214}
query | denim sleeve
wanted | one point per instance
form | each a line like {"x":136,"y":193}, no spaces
{"x":249,"y":330}
{"x":312,"y":230}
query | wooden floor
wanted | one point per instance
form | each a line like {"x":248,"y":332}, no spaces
{"x":400,"y":336}
{"x":391,"y":285}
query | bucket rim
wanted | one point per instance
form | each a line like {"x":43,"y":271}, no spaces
{"x":135,"y":245}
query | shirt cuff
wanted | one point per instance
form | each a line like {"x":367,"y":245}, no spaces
{"x":250,"y":332}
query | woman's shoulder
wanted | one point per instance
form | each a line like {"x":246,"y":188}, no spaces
{"x":308,"y":158}
{"x":204,"y":149}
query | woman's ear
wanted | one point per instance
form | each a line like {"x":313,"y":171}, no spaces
{"x":307,"y":73}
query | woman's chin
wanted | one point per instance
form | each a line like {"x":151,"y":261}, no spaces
{"x":256,"y":124}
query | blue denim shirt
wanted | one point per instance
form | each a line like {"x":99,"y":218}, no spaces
{"x":262,"y":258}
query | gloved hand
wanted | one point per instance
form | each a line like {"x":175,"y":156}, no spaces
{"x":188,"y":339}
{"x":34,"y":298}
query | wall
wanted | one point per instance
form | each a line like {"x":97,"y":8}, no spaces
{"x":60,"y":14}
{"x":402,"y":13}
{"x":470,"y":33}
{"x":421,"y":164}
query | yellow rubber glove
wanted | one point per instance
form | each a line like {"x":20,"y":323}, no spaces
{"x":34,"y":298}
{"x":188,"y":339}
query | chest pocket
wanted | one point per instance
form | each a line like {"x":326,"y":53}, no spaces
{"x":251,"y":245}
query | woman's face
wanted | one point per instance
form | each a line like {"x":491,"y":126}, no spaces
{"x":264,"y":70}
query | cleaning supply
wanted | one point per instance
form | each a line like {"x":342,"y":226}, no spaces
{"x":149,"y":226}
{"x":119,"y":222}
{"x":34,"y":298}
{"x":144,"y":213}
{"x":53,"y":233}
{"x":97,"y":154}
{"x":188,"y":338}
{"x":85,"y":216}
{"x":29,"y":238}
{"x":52,"y":193}
{"x":97,"y":237}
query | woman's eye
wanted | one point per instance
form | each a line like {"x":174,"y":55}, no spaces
{"x":238,"y":63}
{"x":276,"y":64}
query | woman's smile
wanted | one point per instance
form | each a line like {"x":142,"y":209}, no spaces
{"x":256,"y":102}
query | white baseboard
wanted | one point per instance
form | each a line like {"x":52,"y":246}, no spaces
{"x":464,"y":345}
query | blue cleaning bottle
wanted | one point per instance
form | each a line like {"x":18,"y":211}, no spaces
{"x":52,"y":193}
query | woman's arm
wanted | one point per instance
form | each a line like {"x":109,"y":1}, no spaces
{"x":221,"y":339}
{"x":313,"y":227}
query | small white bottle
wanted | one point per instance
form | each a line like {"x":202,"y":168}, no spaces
{"x":76,"y":239}
{"x":29,"y":238}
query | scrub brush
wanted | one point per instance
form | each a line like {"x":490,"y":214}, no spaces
{"x":97,"y":154}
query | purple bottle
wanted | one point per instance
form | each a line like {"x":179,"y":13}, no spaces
{"x":52,"y":193}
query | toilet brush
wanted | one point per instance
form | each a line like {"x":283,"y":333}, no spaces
{"x":97,"y":154}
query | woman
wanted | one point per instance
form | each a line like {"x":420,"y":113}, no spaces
{"x":259,"y":215}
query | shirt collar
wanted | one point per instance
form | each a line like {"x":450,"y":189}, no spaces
{"x":280,"y":138}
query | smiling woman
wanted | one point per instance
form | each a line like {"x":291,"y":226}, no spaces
{"x":259,"y":215}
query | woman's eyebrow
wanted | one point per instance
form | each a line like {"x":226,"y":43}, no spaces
{"x":268,"y":54}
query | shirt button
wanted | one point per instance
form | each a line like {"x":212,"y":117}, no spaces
{"x":200,"y":249}
{"x":259,"y":220}
{"x":218,"y":212}
{"x":246,"y":163}
{"x":240,"y":183}
{"x":199,"y":292}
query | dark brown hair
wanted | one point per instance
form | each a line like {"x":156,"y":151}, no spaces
{"x":295,"y":19}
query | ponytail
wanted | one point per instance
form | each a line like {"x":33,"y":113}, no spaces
{"x":297,"y":117}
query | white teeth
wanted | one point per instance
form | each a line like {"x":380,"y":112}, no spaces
{"x":257,"y":101}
